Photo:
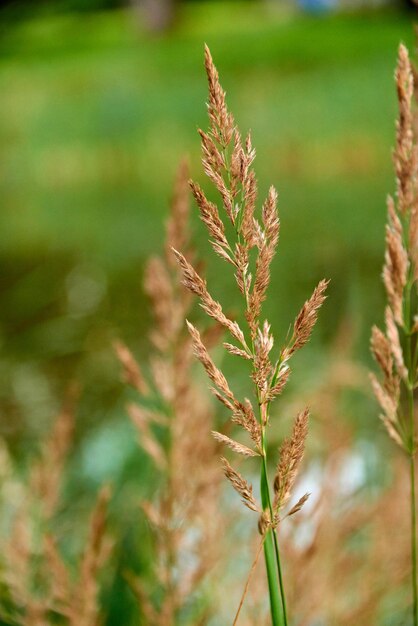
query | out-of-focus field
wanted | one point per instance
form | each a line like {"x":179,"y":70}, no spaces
{"x":94,"y":118}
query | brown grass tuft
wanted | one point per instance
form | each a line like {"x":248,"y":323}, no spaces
{"x":43,"y":587}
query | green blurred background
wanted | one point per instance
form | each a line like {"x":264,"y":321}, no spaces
{"x":98,"y":103}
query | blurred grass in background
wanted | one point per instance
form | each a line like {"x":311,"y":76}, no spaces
{"x":94,"y":117}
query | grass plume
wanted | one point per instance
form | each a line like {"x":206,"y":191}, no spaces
{"x":395,"y":349}
{"x":227,"y":161}
{"x":183,"y":511}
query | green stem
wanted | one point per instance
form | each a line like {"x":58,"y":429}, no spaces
{"x":279,"y":568}
{"x":270,"y":556}
{"x":275,"y":605}
{"x":411,"y":360}
{"x":413,"y":497}
{"x":414,"y":542}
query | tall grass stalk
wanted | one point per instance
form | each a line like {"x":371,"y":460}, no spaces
{"x":411,"y":416}
{"x":414,"y":541}
{"x":396,"y":349}
{"x":248,"y":244}
{"x":272,"y":556}
{"x":174,"y":420}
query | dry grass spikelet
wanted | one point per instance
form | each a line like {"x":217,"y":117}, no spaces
{"x":382,"y":352}
{"x":241,"y":486}
{"x":212,"y":371}
{"x":405,"y":155}
{"x":131,"y":370}
{"x":266,"y":244}
{"x":290,"y":458}
{"x":392,"y":334}
{"x":235,"y":446}
{"x":395,"y":270}
{"x":85,"y":607}
{"x":47,"y":471}
{"x":222,"y":122}
{"x":197,"y":285}
{"x":307,"y":318}
{"x":243,"y":415}
{"x":177,"y":227}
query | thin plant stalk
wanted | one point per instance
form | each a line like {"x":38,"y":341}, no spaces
{"x":281,"y":583}
{"x":272,"y":557}
{"x":414,"y":541}
{"x":272,"y":580}
{"x":410,"y":399}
